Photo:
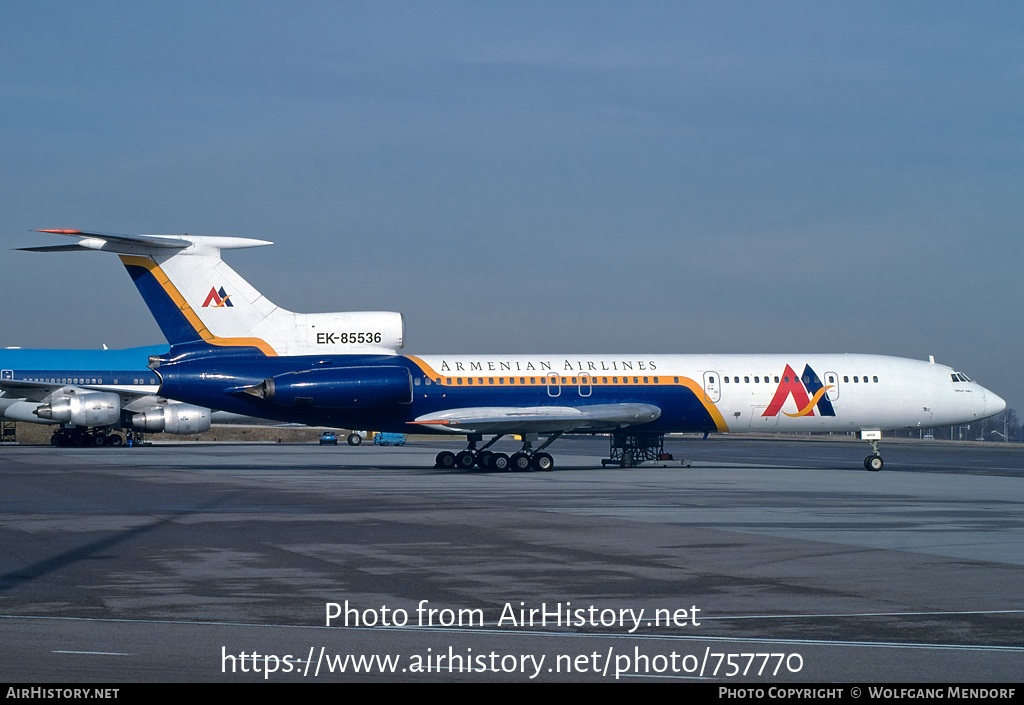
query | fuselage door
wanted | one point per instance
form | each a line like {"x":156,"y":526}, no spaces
{"x":831,"y":381}
{"x":7,"y":374}
{"x":554,"y":389}
{"x":712,"y":387}
{"x":585,"y":388}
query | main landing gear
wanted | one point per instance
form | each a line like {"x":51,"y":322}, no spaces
{"x":84,"y":438}
{"x":527,"y":459}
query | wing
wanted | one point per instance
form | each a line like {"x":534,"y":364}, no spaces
{"x":539,"y":419}
{"x":42,"y":391}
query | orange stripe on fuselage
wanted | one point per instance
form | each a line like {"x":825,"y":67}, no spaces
{"x":697,"y":390}
{"x":190,"y":315}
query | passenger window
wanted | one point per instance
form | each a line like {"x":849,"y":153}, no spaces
{"x":855,"y":380}
{"x":746,"y":380}
{"x":725,"y":379}
{"x":757,"y":380}
{"x":676,"y":380}
{"x":875,"y":378}
{"x":846,"y":379}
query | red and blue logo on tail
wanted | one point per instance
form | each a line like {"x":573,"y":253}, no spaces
{"x":218,"y":299}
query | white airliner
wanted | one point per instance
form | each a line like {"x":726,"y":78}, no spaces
{"x":233,"y":349}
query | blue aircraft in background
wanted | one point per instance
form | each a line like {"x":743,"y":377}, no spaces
{"x":91,"y":394}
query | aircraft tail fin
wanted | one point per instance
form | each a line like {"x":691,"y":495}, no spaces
{"x":196,"y":297}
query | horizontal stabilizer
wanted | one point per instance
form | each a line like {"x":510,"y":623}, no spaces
{"x":145,"y":244}
{"x":55,"y":248}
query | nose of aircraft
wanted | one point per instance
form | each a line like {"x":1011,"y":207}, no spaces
{"x":994,"y":403}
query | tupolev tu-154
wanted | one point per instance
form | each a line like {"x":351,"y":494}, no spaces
{"x":232,"y":349}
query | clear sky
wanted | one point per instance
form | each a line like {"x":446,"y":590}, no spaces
{"x":536,"y":177}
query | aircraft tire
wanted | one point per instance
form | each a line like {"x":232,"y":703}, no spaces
{"x":543,"y":462}
{"x":354,"y":439}
{"x":520,"y":462}
{"x":114,"y":440}
{"x":483,"y":459}
{"x":99,"y":440}
{"x":465,"y":460}
{"x":499,"y":462}
{"x":445,"y":459}
{"x":873,"y":463}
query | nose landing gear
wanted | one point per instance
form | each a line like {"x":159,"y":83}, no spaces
{"x":874,"y":461}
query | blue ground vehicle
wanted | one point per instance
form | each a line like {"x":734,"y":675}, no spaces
{"x":389,"y":439}
{"x":328,"y":438}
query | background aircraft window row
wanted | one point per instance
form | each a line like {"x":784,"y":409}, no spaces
{"x":64,"y":381}
{"x":87,"y":380}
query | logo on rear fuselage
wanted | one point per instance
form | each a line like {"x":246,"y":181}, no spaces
{"x":218,"y":299}
{"x":807,"y":391}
